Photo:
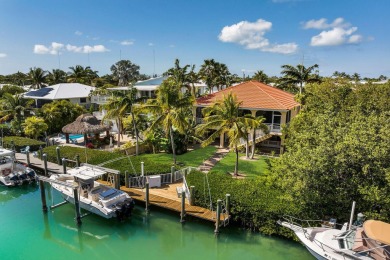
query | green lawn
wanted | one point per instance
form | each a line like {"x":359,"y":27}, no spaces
{"x":193,"y":158}
{"x":250,"y":168}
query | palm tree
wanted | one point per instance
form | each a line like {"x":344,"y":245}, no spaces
{"x":82,"y":75}
{"x":13,"y":107}
{"x":37,"y":76}
{"x":261,"y":76}
{"x":125,"y":72}
{"x":223,"y":76}
{"x":208,"y":73}
{"x":257,"y":123}
{"x":169,"y":109}
{"x":356,"y":77}
{"x":223,"y":117}
{"x":56,"y":76}
{"x":193,"y":78}
{"x":298,"y":75}
{"x":118,"y":107}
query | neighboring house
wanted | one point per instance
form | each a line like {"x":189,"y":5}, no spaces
{"x":258,"y":99}
{"x":74,"y":92}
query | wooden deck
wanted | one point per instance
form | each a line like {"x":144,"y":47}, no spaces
{"x":38,"y":163}
{"x":172,"y":204}
{"x":160,"y":197}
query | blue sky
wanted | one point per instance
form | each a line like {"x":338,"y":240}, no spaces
{"x":350,"y":36}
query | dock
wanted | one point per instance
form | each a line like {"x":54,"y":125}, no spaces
{"x":172,"y":204}
{"x":165,"y":198}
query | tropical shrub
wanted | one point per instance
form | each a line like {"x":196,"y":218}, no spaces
{"x":22,"y":142}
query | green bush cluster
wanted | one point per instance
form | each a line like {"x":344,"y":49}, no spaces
{"x":22,"y":142}
{"x":255,"y":203}
{"x":132,"y":164}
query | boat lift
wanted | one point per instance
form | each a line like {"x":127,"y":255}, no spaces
{"x":116,"y":181}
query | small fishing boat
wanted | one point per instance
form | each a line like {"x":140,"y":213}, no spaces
{"x":95,"y":197}
{"x":368,"y":241}
{"x":13,"y":173}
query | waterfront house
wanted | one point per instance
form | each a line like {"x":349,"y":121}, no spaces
{"x":74,"y":92}
{"x":258,"y":99}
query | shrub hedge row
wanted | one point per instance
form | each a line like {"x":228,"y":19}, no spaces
{"x":132,"y":164}
{"x":22,"y":142}
{"x":254,"y":203}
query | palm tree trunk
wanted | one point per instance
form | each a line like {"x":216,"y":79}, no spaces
{"x":253,"y":143}
{"x":119,"y":132}
{"x":136,"y":134}
{"x":300,"y":88}
{"x":236,"y":164}
{"x":173,"y":144}
{"x":247,"y":147}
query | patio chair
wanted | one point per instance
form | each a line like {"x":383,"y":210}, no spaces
{"x":25,"y":150}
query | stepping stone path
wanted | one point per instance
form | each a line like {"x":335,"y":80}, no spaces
{"x":212,"y":161}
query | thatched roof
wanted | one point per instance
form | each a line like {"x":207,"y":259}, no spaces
{"x":85,"y":124}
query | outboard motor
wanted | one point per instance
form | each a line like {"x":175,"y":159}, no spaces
{"x":14,"y":178}
{"x":129,"y":205}
{"x":22,"y":176}
{"x":120,"y":210}
{"x":31,"y":175}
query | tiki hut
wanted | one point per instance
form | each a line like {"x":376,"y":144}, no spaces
{"x":85,"y":124}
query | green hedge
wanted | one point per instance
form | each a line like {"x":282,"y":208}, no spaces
{"x":97,"y":157}
{"x":254,"y":203}
{"x":22,"y":142}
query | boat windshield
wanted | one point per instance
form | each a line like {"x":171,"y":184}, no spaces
{"x":346,"y":239}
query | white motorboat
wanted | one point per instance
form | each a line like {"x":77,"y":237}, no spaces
{"x":95,"y":197}
{"x":369,"y":241}
{"x":13,"y":173}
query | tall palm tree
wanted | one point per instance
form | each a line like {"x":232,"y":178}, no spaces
{"x":260,"y":76}
{"x":298,"y":75}
{"x":223,"y":117}
{"x":193,"y":78}
{"x":125,"y":72}
{"x":168,"y":109}
{"x":208,"y":72}
{"x":37,"y":76}
{"x":79,"y":74}
{"x":223,"y":76}
{"x":118,"y":107}
{"x":257,"y":123}
{"x":56,"y":76}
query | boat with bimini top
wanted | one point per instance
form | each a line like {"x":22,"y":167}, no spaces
{"x":95,"y":197}
{"x":368,"y":240}
{"x":13,"y":173}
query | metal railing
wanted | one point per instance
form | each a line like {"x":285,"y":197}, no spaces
{"x":274,"y":128}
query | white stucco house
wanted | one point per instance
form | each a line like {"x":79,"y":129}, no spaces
{"x":74,"y":92}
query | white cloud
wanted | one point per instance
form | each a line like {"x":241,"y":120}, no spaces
{"x":336,"y":33}
{"x":54,"y":49}
{"x":86,"y":48}
{"x":323,"y":24}
{"x":127,"y":42}
{"x":3,"y":55}
{"x":78,"y":33}
{"x":251,"y":36}
{"x":150,"y":44}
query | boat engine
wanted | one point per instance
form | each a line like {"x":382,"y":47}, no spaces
{"x":120,"y":210}
{"x":15,"y":179}
{"x":129,"y":205}
{"x":31,"y":175}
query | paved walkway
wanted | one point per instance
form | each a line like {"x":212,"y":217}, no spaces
{"x":212,"y":161}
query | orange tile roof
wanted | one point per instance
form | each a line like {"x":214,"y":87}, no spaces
{"x":254,"y":94}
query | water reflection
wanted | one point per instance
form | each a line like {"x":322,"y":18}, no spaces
{"x":9,"y":193}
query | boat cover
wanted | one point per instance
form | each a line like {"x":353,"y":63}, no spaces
{"x":86,"y":173}
{"x":377,"y":230}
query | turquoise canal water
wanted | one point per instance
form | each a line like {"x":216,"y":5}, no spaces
{"x":27,"y":233}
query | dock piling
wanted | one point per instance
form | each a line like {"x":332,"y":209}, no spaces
{"x":147,"y":197}
{"x":44,"y":157}
{"x":192,"y":195}
{"x":77,"y":206}
{"x":183,"y":207}
{"x":227,"y":206}
{"x":43,"y":195}
{"x":58,"y":155}
{"x":28,"y":158}
{"x":64,"y":165}
{"x":142,"y":169}
{"x":217,"y":221}
{"x":77,"y":160}
{"x":127,"y":179}
{"x":40,"y":152}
